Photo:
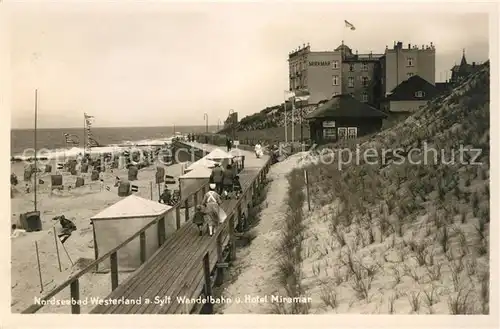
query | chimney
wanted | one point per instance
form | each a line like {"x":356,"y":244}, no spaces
{"x":400,"y":45}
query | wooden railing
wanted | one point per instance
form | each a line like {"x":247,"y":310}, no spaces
{"x":112,"y":255}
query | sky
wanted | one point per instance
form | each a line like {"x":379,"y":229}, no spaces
{"x":160,"y":64}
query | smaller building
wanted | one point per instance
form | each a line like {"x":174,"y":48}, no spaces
{"x":343,"y":117}
{"x":462,"y":71}
{"x":410,"y":95}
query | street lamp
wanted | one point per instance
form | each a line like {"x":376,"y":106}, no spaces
{"x":205,"y":117}
{"x":231,"y":112}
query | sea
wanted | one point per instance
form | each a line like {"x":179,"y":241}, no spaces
{"x":53,"y":142}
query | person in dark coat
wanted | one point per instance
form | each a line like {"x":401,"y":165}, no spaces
{"x":67,"y":228}
{"x":237,"y":186}
{"x":217,"y":177}
{"x":166,"y":196}
{"x":199,"y":218}
{"x":228,"y":178}
{"x":13,"y":179}
{"x":228,"y":144}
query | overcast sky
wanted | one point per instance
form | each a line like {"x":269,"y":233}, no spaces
{"x":164,"y":64}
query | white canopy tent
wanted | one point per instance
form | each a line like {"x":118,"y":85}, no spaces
{"x":203,"y":162}
{"x":123,"y":219}
{"x":220,"y":156}
{"x":194,"y":180}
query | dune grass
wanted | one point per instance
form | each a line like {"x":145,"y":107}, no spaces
{"x":391,"y":237}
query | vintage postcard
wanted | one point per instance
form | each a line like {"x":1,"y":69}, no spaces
{"x":238,"y":159}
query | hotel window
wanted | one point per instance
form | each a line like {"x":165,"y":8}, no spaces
{"x":342,"y":132}
{"x":351,"y":67}
{"x":409,"y":75}
{"x":329,"y":133}
{"x":335,"y":80}
{"x":364,"y":97}
{"x":419,"y":94}
{"x":350,"y":82}
{"x":352,"y":133}
{"x":364,"y":67}
{"x":409,"y":61}
{"x":365,"y":81}
{"x":335,"y":64}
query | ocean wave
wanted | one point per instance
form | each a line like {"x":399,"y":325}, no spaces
{"x":59,"y":153}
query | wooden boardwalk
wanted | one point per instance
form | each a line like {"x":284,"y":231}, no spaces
{"x":185,"y":265}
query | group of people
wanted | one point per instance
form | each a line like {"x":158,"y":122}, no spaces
{"x":223,"y":182}
{"x":226,"y":180}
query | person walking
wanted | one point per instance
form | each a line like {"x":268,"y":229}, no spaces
{"x":228,"y":144}
{"x":217,"y":177}
{"x":227,"y":179}
{"x":212,"y":202}
{"x":199,"y":218}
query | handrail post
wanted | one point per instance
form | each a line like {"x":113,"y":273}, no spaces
{"x":142,"y":239}
{"x":220,"y":259}
{"x":208,"y":282}
{"x":186,"y":210}
{"x":232,"y":240}
{"x":178,"y":216}
{"x":114,"y":270}
{"x":239,"y":223}
{"x":75,"y":295}
{"x":161,"y":231}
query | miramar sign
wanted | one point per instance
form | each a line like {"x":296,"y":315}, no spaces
{"x":319,"y":63}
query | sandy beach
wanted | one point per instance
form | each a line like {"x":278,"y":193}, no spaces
{"x":77,"y":204}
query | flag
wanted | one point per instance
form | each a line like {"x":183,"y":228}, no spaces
{"x":92,"y":142}
{"x":134,"y":188}
{"x":302,"y":95}
{"x":71,"y":139}
{"x":89,"y":119}
{"x":349,"y":25}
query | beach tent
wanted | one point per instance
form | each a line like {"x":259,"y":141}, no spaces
{"x":194,"y":180}
{"x":120,"y":221}
{"x":203,"y":162}
{"x":220,"y":156}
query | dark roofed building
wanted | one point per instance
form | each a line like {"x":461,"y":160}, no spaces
{"x":343,"y":117}
{"x":460,"y":72}
{"x":410,"y":95}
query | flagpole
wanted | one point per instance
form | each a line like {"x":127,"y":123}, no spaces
{"x":36,"y":156}
{"x":284,"y":105}
{"x":84,"y":133}
{"x":65,"y":147}
{"x":293,"y":123}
